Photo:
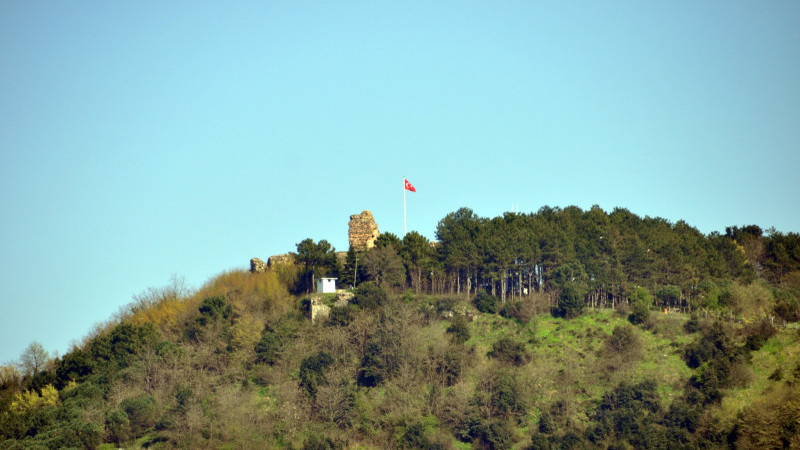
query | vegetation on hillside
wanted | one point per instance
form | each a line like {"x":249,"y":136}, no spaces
{"x":559,"y":329}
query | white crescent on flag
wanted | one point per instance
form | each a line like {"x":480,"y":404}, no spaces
{"x":408,"y":186}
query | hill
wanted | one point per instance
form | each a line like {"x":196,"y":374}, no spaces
{"x":559,"y":329}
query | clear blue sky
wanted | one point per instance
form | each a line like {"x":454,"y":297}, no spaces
{"x":144,"y":139}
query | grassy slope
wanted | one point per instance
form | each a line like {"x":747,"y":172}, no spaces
{"x":569,"y":365}
{"x":780,"y":353}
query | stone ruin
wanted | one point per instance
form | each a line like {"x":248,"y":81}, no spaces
{"x":319,"y":311}
{"x":285,"y":258}
{"x":258,"y":265}
{"x":363,"y":231}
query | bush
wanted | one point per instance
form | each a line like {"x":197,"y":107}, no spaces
{"x":547,"y":423}
{"x":317,"y":442}
{"x":628,"y":410}
{"x":374,"y":367}
{"x":369,"y":296}
{"x":458,"y":330}
{"x":119,"y":427}
{"x":445,"y":304}
{"x":640,"y":300}
{"x":496,"y":434}
{"x":118,"y":348}
{"x":693,"y":324}
{"x":509,"y":352}
{"x":623,"y":343}
{"x":340,"y":316}
{"x":142,"y":412}
{"x":214,"y":308}
{"x":312,"y":372}
{"x":268,"y":348}
{"x":523,"y":311}
{"x":640,"y":314}
{"x":506,"y":399}
{"x":486,"y":303}
{"x":414,"y":437}
{"x":786,"y":305}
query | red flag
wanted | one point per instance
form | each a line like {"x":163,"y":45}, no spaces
{"x":408,"y":186}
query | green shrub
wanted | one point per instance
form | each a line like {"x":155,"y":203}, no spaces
{"x":119,"y":427}
{"x":142,"y":412}
{"x":312,"y":372}
{"x":445,"y":304}
{"x":693,"y":324}
{"x":213,"y":309}
{"x":496,"y":434}
{"x":340,"y":316}
{"x":458,"y":330}
{"x":623,"y":343}
{"x":414,"y":437}
{"x":506,"y":399}
{"x":786,"y":305}
{"x":318,"y":442}
{"x":369,"y":295}
{"x":486,"y":303}
{"x":268,"y":348}
{"x":547,"y":423}
{"x":640,"y":300}
{"x":508,"y":351}
{"x":374,"y":368}
{"x":640,"y":314}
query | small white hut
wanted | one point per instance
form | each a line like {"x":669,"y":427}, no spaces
{"x":326,"y":285}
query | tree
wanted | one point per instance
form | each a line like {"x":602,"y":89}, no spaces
{"x":389,"y":240}
{"x":312,"y":372}
{"x":268,"y":348}
{"x":384,"y":266}
{"x":640,"y":299}
{"x":352,"y":273}
{"x":317,"y":259}
{"x":34,"y":359}
{"x":418,"y":256}
{"x":458,"y":234}
{"x":458,"y":330}
{"x":669,"y":295}
{"x":570,"y":302}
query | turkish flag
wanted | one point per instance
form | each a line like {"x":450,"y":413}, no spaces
{"x":408,"y":186}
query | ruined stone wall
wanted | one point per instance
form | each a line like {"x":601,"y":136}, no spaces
{"x":258,"y":265}
{"x":285,"y":258}
{"x":362,"y":231}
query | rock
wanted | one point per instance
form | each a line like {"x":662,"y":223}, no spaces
{"x":258,"y":266}
{"x":362,"y":231}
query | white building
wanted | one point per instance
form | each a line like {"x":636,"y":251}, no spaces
{"x":326,"y":285}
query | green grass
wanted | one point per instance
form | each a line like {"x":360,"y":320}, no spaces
{"x":781,"y":351}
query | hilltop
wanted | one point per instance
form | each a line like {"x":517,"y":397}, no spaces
{"x":557,"y":329}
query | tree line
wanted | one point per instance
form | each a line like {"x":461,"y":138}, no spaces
{"x":603,"y":256}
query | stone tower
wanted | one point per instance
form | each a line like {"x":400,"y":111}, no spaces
{"x":363,"y":231}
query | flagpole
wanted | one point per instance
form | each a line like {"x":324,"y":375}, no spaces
{"x":404,"y":208}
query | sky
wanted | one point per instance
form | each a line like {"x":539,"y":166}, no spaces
{"x":145,"y":140}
